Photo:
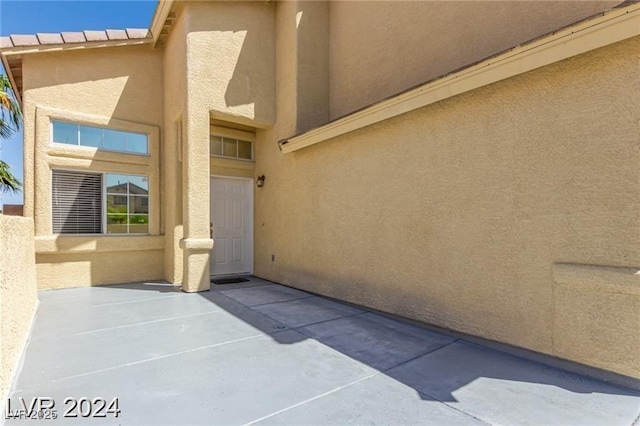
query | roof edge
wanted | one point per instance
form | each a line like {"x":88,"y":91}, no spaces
{"x":23,"y":50}
{"x":14,"y":87}
{"x":607,"y":28}
{"x":160,"y":18}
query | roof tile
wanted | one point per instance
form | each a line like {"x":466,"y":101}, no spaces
{"x":50,"y":38}
{"x":117,"y":35}
{"x":24,"y":40}
{"x":96,"y":35}
{"x":137,"y":32}
{"x":73,"y":37}
{"x":20,"y":40}
{"x":5,"y":42}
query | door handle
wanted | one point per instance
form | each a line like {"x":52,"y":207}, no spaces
{"x":211,"y":230}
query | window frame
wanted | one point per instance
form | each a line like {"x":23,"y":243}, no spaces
{"x":102,"y":128}
{"x":103,"y":196}
{"x":128,"y":195}
{"x":237,"y":140}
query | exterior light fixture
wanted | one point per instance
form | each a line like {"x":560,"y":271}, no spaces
{"x":260,"y":181}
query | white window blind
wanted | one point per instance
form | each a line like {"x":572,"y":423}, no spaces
{"x":77,"y":202}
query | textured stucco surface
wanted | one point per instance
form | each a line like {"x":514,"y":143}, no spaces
{"x":230,"y":76}
{"x":18,"y":294}
{"x":118,"y":87}
{"x":80,"y":269}
{"x":380,"y":48}
{"x":461,"y":214}
{"x":175,"y":89}
{"x":456,"y":213}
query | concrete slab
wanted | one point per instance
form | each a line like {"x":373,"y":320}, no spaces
{"x":96,"y":296}
{"x":310,"y":310}
{"x":79,"y":319}
{"x":376,"y":400}
{"x":375,"y":340}
{"x":221,"y":357}
{"x":47,"y":360}
{"x":265,"y":294}
{"x":234,"y":383}
{"x":502,"y":389}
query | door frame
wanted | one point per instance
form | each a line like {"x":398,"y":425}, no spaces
{"x":250,"y":182}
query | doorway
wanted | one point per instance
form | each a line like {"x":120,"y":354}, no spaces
{"x":231,"y":207}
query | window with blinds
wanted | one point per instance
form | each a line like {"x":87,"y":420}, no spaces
{"x":77,"y":202}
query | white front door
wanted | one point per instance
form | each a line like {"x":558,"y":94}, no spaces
{"x":232,"y":219}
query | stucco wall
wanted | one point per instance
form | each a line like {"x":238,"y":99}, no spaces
{"x":381,"y":48}
{"x":230,"y":77}
{"x":18,"y":296}
{"x":231,"y":51}
{"x":175,"y":90}
{"x":460,"y":214}
{"x":119,"y":87}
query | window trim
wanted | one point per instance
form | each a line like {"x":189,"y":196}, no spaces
{"x":104,"y":200}
{"x":103,"y":128}
{"x":216,"y":135}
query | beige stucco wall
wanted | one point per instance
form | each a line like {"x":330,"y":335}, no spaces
{"x":118,"y":87}
{"x":379,"y":48}
{"x":229,"y":50}
{"x":175,"y":90}
{"x":18,"y":296}
{"x":460,"y":214}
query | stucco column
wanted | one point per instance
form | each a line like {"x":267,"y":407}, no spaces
{"x":197,"y":242}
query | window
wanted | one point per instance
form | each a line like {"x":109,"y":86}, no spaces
{"x":97,"y":137}
{"x":127,"y":204}
{"x":78,"y":206}
{"x":231,"y":148}
{"x":77,"y":203}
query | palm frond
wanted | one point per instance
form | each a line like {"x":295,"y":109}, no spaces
{"x":10,"y":121}
{"x":8,"y":182}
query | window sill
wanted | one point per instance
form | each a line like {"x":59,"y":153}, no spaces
{"x":58,"y":244}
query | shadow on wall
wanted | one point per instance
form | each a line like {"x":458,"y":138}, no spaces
{"x":435,"y":365}
{"x":232,"y":57}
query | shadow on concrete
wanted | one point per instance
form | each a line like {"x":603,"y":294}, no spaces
{"x":434,"y":364}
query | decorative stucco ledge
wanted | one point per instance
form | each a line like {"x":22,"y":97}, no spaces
{"x":56,"y":244}
{"x":611,"y":27}
{"x":613,"y":279}
{"x":196,"y":244}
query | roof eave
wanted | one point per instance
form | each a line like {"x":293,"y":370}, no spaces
{"x":7,"y":69}
{"x":23,"y":50}
{"x":607,"y":28}
{"x":160,"y":18}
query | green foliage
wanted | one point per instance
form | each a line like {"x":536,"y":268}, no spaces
{"x":10,"y":121}
{"x":8,"y":182}
{"x":139,"y":219}
{"x":117,"y":210}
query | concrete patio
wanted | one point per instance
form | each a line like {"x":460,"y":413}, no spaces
{"x":258,"y":352}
